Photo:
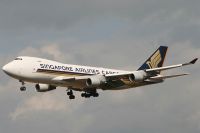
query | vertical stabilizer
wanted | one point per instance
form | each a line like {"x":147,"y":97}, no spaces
{"x":156,"y":59}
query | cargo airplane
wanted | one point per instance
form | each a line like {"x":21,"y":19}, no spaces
{"x":47,"y":75}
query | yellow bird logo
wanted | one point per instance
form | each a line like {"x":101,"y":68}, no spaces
{"x":154,"y":60}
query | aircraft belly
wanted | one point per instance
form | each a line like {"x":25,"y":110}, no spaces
{"x":78,"y":85}
{"x":81,"y":84}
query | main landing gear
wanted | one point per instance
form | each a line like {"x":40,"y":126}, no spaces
{"x":88,"y":95}
{"x":22,"y":88}
{"x":70,"y":94}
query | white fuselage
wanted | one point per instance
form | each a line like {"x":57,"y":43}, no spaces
{"x":38,"y":70}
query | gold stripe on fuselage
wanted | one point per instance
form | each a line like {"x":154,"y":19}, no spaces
{"x":61,"y":73}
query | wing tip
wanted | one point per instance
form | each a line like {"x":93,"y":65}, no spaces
{"x":193,"y":61}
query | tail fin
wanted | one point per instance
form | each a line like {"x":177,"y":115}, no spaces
{"x":156,"y":59}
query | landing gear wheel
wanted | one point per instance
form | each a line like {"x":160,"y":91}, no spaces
{"x":23,"y":88}
{"x":95,"y":94}
{"x":70,"y":93}
{"x":71,"y":97}
{"x":83,"y":94}
{"x":87,"y":95}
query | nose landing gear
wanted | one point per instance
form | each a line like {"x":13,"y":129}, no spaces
{"x":22,"y":88}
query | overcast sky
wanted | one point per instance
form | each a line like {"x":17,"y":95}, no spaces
{"x":106,"y":33}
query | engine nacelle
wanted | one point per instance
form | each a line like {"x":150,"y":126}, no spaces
{"x":44,"y":87}
{"x":137,"y":76}
{"x":95,"y":81}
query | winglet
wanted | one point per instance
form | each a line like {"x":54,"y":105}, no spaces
{"x":194,"y":61}
{"x":191,"y":62}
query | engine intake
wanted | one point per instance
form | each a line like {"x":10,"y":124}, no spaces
{"x":137,"y":76}
{"x":44,"y":87}
{"x":95,"y":81}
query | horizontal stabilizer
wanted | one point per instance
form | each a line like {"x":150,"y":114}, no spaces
{"x":160,"y":77}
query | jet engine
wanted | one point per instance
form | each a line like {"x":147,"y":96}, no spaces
{"x":137,"y":76}
{"x":44,"y":87}
{"x":95,"y":81}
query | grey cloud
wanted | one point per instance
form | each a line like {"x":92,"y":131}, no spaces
{"x":156,"y":21}
{"x":63,"y":13}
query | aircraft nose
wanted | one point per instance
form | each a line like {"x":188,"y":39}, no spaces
{"x":11,"y":69}
{"x":7,"y":68}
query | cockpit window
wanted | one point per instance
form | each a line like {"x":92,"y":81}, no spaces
{"x":18,"y":58}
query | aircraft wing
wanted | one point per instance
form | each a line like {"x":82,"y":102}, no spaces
{"x":171,"y":67}
{"x":109,"y":84}
{"x":152,"y":73}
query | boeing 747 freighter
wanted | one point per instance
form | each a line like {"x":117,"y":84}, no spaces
{"x":47,"y":75}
